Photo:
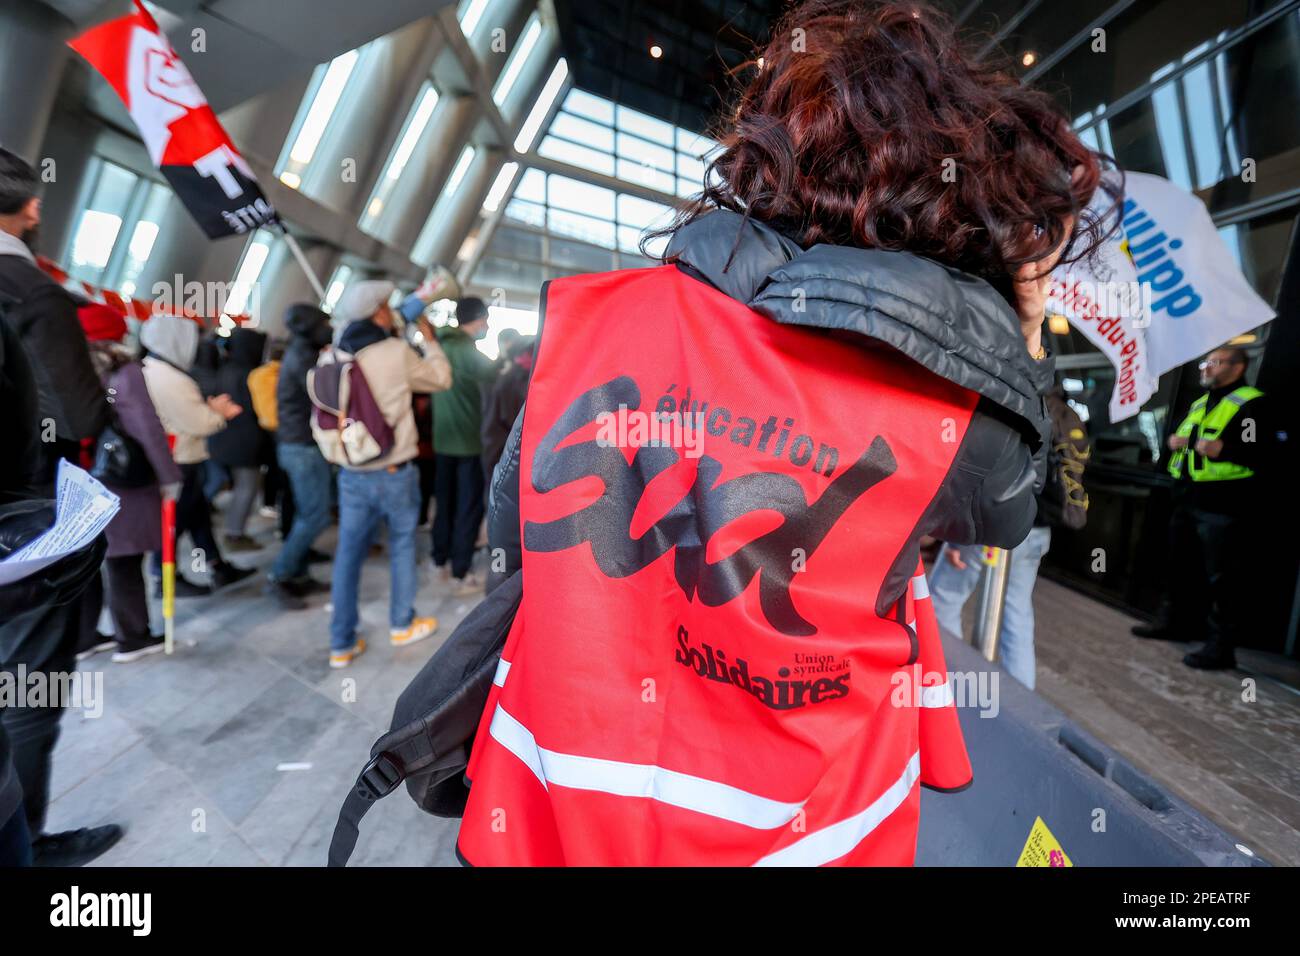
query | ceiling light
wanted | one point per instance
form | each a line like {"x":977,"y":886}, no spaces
{"x":1030,"y":58}
{"x":656,"y":51}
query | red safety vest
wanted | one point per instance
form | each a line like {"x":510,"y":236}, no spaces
{"x":697,"y":674}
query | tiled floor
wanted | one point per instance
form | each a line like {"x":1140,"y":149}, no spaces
{"x":195,"y":753}
{"x":191,"y":750}
{"x":1235,"y":759}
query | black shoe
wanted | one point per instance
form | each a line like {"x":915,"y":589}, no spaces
{"x":133,"y":650}
{"x":224,"y":575}
{"x":284,"y":595}
{"x":305,"y":585}
{"x":103,"y":642}
{"x":318,"y":557}
{"x":184,"y":589}
{"x":235,"y":543}
{"x":1211,"y":658}
{"x":1155,"y":632}
{"x":74,"y":847}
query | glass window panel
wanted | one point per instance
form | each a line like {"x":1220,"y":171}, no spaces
{"x":517,"y":244}
{"x":583,"y":131}
{"x":579,"y":156}
{"x":572,"y":224}
{"x":334,"y":289}
{"x":646,"y":175}
{"x":634,"y":211}
{"x":655,"y":130}
{"x":469,"y":14}
{"x":691,"y":168}
{"x":693,"y":144}
{"x":532,"y":186}
{"x":143,"y":237}
{"x":1169,"y":125}
{"x":316,"y":112}
{"x":100,"y":222}
{"x":566,"y":193}
{"x":417,"y":122}
{"x":528,"y":212}
{"x":592,"y":107}
{"x":518,"y":59}
{"x":498,"y":272}
{"x":647,"y":154}
{"x":580,"y":256}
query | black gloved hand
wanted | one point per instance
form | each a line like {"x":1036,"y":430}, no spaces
{"x":56,"y":583}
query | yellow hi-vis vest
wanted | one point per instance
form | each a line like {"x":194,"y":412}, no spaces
{"x":1210,"y":426}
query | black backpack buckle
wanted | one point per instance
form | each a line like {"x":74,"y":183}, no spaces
{"x":381,"y":776}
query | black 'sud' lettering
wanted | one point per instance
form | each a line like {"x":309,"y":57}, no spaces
{"x":692,"y":521}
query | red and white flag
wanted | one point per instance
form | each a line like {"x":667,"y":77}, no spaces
{"x":179,"y":129}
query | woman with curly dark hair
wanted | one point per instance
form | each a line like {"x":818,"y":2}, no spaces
{"x":724,"y":651}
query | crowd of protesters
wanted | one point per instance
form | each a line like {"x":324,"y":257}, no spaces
{"x":208,"y":420}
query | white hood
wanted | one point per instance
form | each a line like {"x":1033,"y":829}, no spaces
{"x":171,"y":338}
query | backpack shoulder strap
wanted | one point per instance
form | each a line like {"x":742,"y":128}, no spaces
{"x":394,"y":757}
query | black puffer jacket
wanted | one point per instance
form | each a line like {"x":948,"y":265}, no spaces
{"x":953,"y":324}
{"x":310,"y":328}
{"x":44,"y":317}
{"x":239,"y":444}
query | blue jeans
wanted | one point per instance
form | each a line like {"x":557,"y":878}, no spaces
{"x":309,"y":477}
{"x":950,"y":588}
{"x":366,"y":498}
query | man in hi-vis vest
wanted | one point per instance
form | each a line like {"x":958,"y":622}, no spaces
{"x":1216,"y":452}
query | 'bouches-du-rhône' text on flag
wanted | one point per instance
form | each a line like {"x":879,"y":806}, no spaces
{"x":1164,"y":290}
{"x":179,"y":129}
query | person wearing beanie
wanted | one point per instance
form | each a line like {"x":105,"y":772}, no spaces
{"x":305,"y":467}
{"x":136,"y":530}
{"x":458,"y":482}
{"x":388,"y":488}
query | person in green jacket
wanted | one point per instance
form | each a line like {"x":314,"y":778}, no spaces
{"x":458,"y":481}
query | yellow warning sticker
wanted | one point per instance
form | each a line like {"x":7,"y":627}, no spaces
{"x":1042,"y":849}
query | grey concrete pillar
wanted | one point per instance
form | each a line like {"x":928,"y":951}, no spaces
{"x":32,"y":57}
{"x":434,"y":157}
{"x":283,"y":283}
{"x":508,"y":16}
{"x":259,"y":127}
{"x":181,"y":249}
{"x":380,"y":90}
{"x":455,"y":217}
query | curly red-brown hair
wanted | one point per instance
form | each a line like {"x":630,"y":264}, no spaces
{"x":869,"y":124}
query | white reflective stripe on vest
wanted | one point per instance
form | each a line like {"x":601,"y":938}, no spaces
{"x":938,"y":695}
{"x":920,"y":588}
{"x":503,"y":668}
{"x":823,"y":846}
{"x":639,"y":780}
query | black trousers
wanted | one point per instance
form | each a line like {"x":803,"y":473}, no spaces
{"x":45,"y":640}
{"x":194,"y":515}
{"x":458,"y":489}
{"x":1209,"y":596}
{"x":127,"y":598}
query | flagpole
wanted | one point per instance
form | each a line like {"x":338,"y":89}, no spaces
{"x":302,"y":261}
{"x":169,"y":566}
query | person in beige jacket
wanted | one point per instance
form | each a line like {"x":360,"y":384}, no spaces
{"x":387,"y":489}
{"x":170,"y":343}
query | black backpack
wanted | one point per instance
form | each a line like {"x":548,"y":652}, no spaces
{"x":434,"y":722}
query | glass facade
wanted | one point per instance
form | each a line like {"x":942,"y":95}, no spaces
{"x":594,"y":134}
